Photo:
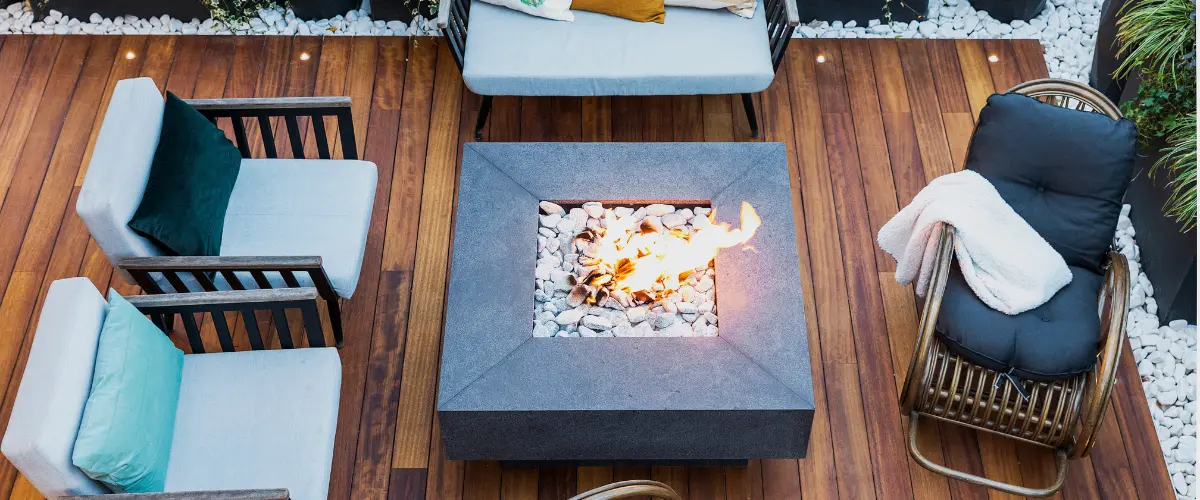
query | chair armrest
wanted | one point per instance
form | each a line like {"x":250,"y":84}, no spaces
{"x":782,"y":19}
{"x":929,"y":316}
{"x":264,"y":109}
{"x":1113,"y":310}
{"x":452,"y":22}
{"x":276,"y":494}
{"x":199,"y":268}
{"x":626,"y":489}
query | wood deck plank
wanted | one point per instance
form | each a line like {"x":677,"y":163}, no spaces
{"x":859,"y":146}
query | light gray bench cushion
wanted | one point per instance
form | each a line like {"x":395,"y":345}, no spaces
{"x":696,"y":51}
{"x":303,"y":207}
{"x":58,"y":375}
{"x":257,"y":419}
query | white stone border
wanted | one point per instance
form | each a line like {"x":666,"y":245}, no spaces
{"x":1166,"y":358}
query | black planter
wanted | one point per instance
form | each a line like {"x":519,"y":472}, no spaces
{"x":400,"y":10}
{"x":1104,"y":60}
{"x":861,"y":11}
{"x":1007,"y":11}
{"x":82,"y":9}
{"x":1168,"y":255}
{"x":322,"y":9}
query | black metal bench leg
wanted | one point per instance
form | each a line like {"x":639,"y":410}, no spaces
{"x":748,"y":103}
{"x":485,"y":108}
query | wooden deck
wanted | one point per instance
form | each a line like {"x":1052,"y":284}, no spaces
{"x":864,"y":130}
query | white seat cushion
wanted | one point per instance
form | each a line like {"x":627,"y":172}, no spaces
{"x":285,"y":207}
{"x":54,"y":388}
{"x":694,"y":51}
{"x":257,"y":419}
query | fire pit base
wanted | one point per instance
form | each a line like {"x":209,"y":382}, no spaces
{"x":506,"y":395}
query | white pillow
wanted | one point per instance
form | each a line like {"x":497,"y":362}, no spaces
{"x":550,"y":9}
{"x":744,"y":8}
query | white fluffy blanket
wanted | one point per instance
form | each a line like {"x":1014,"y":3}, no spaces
{"x":1008,"y":265}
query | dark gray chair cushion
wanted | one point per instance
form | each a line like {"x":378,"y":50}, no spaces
{"x":1057,"y":340}
{"x":1063,"y":171}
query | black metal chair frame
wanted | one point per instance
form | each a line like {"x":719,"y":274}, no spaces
{"x":200,"y":269}
{"x":782,"y":19}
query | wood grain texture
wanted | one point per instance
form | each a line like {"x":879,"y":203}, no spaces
{"x":863,"y":131}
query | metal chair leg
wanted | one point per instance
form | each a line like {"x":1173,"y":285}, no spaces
{"x":748,"y":103}
{"x":485,"y":108}
{"x":1060,"y":460}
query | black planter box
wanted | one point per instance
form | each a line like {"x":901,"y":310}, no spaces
{"x":399,"y":10}
{"x":861,"y":11}
{"x":1168,"y":255}
{"x":1007,"y":11}
{"x":185,"y":10}
{"x":322,"y":9}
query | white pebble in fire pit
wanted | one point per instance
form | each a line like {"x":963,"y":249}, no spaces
{"x":588,"y":284}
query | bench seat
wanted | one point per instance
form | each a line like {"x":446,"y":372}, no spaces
{"x":696,"y":51}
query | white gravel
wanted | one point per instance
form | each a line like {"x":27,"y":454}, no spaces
{"x":1166,"y":358}
{"x":1067,"y":28}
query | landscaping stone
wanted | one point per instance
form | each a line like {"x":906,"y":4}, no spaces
{"x":1166,"y":357}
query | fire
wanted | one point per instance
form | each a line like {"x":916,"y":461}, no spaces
{"x":636,"y":259}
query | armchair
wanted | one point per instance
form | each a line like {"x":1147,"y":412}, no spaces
{"x":1049,"y":380}
{"x":252,"y":425}
{"x":694,"y":52}
{"x":290,"y":222}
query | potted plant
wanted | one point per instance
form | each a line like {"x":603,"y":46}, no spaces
{"x":403,"y":10}
{"x":1156,"y":42}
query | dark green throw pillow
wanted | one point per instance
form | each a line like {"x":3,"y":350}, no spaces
{"x":191,"y":178}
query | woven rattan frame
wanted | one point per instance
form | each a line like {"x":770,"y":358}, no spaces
{"x":627,"y":489}
{"x":1062,"y":414}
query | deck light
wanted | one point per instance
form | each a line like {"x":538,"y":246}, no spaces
{"x":993,"y":58}
{"x":820,"y":58}
{"x":304,"y":56}
{"x":130,"y":55}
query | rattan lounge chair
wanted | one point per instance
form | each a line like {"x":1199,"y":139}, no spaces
{"x":1062,"y":414}
{"x":627,"y":489}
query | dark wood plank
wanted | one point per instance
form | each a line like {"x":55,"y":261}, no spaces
{"x":482,"y":479}
{"x":926,"y":110}
{"x":1005,"y":73}
{"x":407,"y":484}
{"x":1146,"y":462}
{"x":977,"y":77}
{"x":908,"y":173}
{"x":745,"y":483}
{"x":372,"y":312}
{"x":556,"y":482}
{"x":872,"y":144}
{"x":519,"y":484}
{"x":31,"y":89}
{"x":1031,"y":61}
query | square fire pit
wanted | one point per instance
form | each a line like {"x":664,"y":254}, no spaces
{"x":505,"y":394}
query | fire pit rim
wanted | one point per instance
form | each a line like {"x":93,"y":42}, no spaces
{"x":508,"y":179}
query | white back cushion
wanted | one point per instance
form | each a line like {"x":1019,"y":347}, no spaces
{"x":58,"y":375}
{"x":120,"y":166}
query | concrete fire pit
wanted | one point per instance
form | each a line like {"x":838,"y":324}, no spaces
{"x":506,"y":395}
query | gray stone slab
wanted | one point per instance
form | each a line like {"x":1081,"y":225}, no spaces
{"x":504,"y":395}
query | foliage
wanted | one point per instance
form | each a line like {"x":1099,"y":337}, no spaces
{"x":1158,"y":40}
{"x":1179,"y":158}
{"x":234,"y":13}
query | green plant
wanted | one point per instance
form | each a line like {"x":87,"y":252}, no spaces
{"x":236,"y":13}
{"x":1179,"y":158}
{"x":1158,"y":40}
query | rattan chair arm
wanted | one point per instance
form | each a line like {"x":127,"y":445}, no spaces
{"x":1047,"y":87}
{"x":626,"y":489}
{"x":929,"y":315}
{"x":1113,"y":301}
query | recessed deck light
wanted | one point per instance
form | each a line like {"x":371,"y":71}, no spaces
{"x":130,"y":55}
{"x":993,"y":58}
{"x":820,"y":58}
{"x":304,"y":56}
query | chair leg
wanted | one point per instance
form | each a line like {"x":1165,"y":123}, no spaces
{"x":1060,"y":460}
{"x":748,"y":103}
{"x":335,"y":321}
{"x":485,"y":108}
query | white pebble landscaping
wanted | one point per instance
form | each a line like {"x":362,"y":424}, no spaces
{"x":1166,"y":361}
{"x":1066,"y":28}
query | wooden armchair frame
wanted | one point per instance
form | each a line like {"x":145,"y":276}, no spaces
{"x":1063,"y":415}
{"x":621,"y":489}
{"x":143,"y":270}
{"x":782,"y":18}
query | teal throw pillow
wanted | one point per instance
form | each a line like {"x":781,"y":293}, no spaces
{"x":124,"y":440}
{"x":191,"y":178}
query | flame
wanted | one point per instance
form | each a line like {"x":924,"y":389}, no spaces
{"x":639,"y":257}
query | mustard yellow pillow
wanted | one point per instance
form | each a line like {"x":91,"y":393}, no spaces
{"x":642,"y":11}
